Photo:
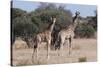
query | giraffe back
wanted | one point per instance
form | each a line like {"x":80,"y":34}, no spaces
{"x":66,"y":33}
{"x":44,"y":35}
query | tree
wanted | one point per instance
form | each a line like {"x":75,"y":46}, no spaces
{"x":84,"y":30}
{"x":43,"y":14}
{"x":22,"y":23}
{"x":93,"y":20}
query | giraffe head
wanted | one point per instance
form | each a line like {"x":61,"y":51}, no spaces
{"x":76,"y":18}
{"x":77,"y":13}
{"x":53,"y":19}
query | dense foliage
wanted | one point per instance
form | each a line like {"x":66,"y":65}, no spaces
{"x":29,"y":23}
{"x":38,"y":20}
{"x":85,"y":30}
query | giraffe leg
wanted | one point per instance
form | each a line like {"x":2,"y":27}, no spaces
{"x":61,"y":46}
{"x":58,"y":51}
{"x":33,"y":55}
{"x":48,"y":50}
{"x":37,"y":53}
{"x":36,"y":50}
{"x":70,"y":40}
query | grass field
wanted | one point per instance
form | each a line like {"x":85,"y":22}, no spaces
{"x":83,"y":50}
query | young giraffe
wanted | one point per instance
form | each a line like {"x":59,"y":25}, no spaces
{"x":68,"y":33}
{"x":46,"y":35}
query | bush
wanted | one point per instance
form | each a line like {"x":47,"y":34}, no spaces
{"x":82,"y":59}
{"x":84,"y":30}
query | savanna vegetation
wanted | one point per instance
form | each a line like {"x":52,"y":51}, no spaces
{"x":27,"y":24}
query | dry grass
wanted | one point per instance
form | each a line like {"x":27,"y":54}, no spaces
{"x":19,"y":44}
{"x":76,"y":48}
{"x":81,"y":48}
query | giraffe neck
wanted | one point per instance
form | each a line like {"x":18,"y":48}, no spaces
{"x":50,"y":28}
{"x":73,"y":25}
{"x":75,"y":21}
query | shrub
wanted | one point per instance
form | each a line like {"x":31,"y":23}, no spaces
{"x":82,"y":59}
{"x":85,"y":30}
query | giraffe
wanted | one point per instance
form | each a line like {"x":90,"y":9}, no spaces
{"x":46,"y":35}
{"x":68,"y":33}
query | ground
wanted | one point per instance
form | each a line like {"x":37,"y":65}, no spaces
{"x":80,"y":48}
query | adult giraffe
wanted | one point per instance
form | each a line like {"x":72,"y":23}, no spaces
{"x":46,"y":35}
{"x":68,"y":33}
